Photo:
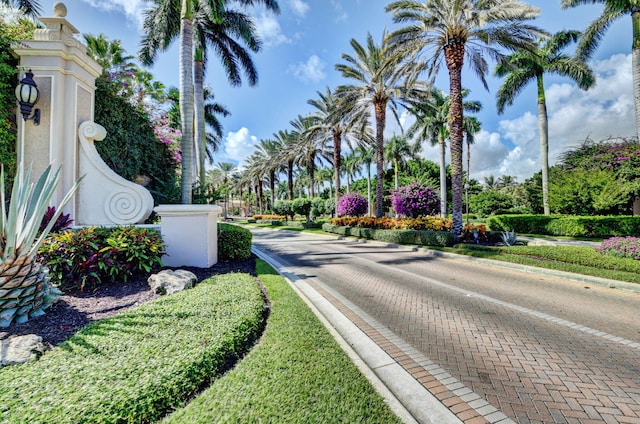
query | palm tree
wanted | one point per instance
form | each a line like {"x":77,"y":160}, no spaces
{"x":108,"y":53}
{"x":311,"y":144}
{"x":612,"y":10}
{"x":216,"y":25}
{"x":398,"y":150}
{"x":289,"y":155}
{"x":451,"y":30}
{"x":472,"y":126}
{"x":490,"y":182}
{"x":366,"y":155}
{"x":351,"y":167}
{"x":227,"y":169}
{"x":381,"y":84}
{"x":523,"y":67}
{"x":211,"y":111}
{"x":330,"y":123}
{"x":432,"y":125}
{"x":28,"y":7}
{"x":269,"y":149}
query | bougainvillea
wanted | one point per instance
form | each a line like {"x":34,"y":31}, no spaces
{"x":352,"y":204}
{"x":415,"y":200}
{"x":621,"y":247}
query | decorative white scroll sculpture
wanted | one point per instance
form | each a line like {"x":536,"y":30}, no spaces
{"x":104,"y":197}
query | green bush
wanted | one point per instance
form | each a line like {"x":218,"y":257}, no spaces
{"x":302,"y":206}
{"x":234,"y":243}
{"x":420,"y":237}
{"x":283,"y":207}
{"x":139,"y":365}
{"x":318,"y":207}
{"x":94,"y":255}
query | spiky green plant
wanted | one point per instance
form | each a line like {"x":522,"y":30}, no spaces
{"x":25,"y":291}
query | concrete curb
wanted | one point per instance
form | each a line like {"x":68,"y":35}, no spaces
{"x":407,"y":398}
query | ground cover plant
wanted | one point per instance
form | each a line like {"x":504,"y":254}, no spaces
{"x":137,"y":366}
{"x":296,"y":374}
{"x":621,"y":247}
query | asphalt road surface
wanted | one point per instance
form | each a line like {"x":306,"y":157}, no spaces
{"x":492,"y":344}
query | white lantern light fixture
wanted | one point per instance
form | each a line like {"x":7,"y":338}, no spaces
{"x":27,"y":94}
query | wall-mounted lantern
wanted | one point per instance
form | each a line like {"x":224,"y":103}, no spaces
{"x":27,"y":94}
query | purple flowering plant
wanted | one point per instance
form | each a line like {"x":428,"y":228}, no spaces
{"x":621,"y":247}
{"x":415,"y":200}
{"x":352,"y":204}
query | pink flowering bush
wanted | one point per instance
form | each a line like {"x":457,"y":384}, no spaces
{"x":352,"y":204}
{"x":621,"y":247}
{"x":415,"y":200}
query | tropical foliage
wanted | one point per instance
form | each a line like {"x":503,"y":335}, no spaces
{"x":352,"y":204}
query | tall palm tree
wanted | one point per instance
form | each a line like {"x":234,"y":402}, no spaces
{"x":450,"y":30}
{"x":311,"y":144}
{"x":269,"y":149}
{"x":432,"y":125}
{"x":490,"y":182}
{"x":332,"y":124}
{"x":398,"y":151}
{"x":366,"y":155}
{"x":289,"y":155}
{"x":212,"y":110}
{"x":227,"y":169}
{"x":380,"y":83}
{"x":214,"y":24}
{"x":472,"y":126}
{"x":28,"y":7}
{"x":612,"y":10}
{"x":523,"y":67}
{"x":351,"y":167}
{"x":108,"y":53}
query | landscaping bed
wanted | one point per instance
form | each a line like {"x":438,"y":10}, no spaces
{"x":75,"y":308}
{"x":140,"y":364}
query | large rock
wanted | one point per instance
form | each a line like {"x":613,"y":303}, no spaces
{"x":169,"y":281}
{"x":20,"y":349}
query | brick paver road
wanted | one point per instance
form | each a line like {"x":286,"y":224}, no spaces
{"x":494,"y":345}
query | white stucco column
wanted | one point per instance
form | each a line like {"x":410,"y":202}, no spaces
{"x":190,"y":233}
{"x":66,"y":77}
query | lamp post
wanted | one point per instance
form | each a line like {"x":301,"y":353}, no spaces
{"x":27,"y":95}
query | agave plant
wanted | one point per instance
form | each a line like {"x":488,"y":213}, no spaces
{"x":509,"y":238}
{"x":25,"y":291}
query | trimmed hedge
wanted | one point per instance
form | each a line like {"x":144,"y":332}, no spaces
{"x":572,"y":226}
{"x":234,"y":243}
{"x":419,"y":237}
{"x":139,"y":365}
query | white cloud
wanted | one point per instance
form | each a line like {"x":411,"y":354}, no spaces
{"x":310,"y":71}
{"x":132,"y":9}
{"x":299,"y":7}
{"x":269,"y":30}
{"x":239,"y":145}
{"x":340,"y":14}
{"x":603,"y":111}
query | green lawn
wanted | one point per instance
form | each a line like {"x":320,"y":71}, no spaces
{"x":297,"y":373}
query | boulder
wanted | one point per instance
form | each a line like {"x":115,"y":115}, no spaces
{"x":20,"y":349}
{"x":172,"y":281}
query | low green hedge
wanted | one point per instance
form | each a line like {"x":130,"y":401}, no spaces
{"x":139,"y":365}
{"x":234,"y":243}
{"x":419,"y":237}
{"x":571,"y":226}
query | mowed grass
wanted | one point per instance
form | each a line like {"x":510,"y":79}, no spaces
{"x":296,"y":373}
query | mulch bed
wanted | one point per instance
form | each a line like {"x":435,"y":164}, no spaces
{"x":75,"y":309}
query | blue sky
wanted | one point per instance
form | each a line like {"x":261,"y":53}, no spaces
{"x":303,"y":44}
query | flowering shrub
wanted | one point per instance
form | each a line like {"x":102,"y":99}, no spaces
{"x":267,"y":217}
{"x":621,"y":247}
{"x":467,"y":233}
{"x":423,"y":223}
{"x":415,"y":200}
{"x":352,"y":204}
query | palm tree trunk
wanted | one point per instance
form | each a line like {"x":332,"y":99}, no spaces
{"x":200,"y":130}
{"x":290,"y":178}
{"x":454,"y":54}
{"x":543,"y":129}
{"x":312,"y":172}
{"x":337,"y":163}
{"x":369,"y":189}
{"x":380,"y":109}
{"x":186,"y":98}
{"x":443,"y":177}
{"x":272,"y":187}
